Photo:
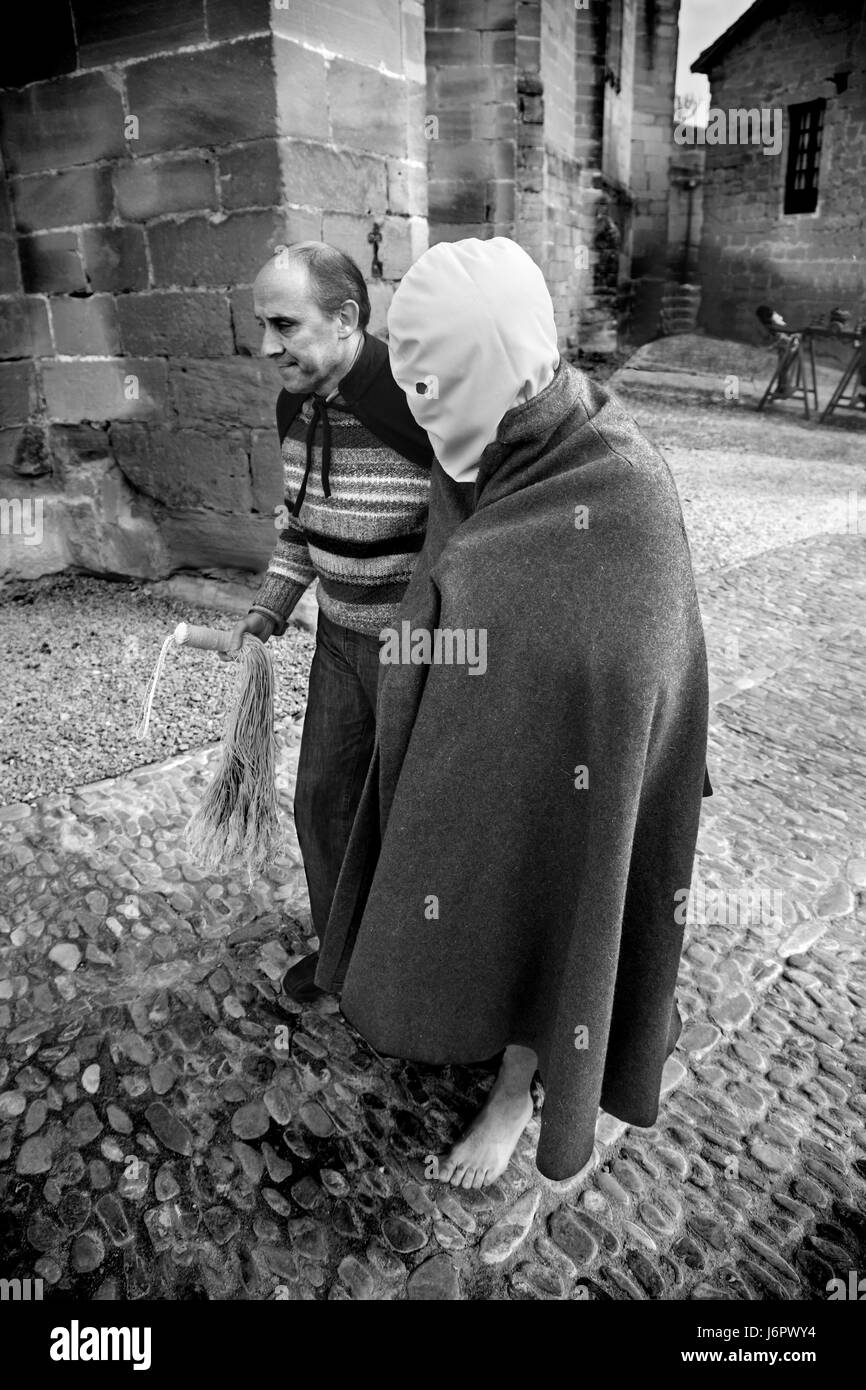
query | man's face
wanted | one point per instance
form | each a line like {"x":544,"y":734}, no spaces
{"x":306,"y":346}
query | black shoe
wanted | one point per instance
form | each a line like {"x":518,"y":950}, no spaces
{"x":299,"y":981}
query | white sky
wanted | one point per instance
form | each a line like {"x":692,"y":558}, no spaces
{"x":701,"y":23}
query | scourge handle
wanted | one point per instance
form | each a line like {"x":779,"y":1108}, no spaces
{"x":207,"y":639}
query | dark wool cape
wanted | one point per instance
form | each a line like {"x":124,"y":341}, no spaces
{"x":492,"y":893}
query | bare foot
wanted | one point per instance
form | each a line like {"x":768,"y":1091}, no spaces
{"x":484,"y":1152}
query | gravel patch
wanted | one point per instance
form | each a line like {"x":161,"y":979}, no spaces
{"x":78,"y":653}
{"x":751,"y":482}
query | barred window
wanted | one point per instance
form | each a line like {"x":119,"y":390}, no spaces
{"x":806,"y":120}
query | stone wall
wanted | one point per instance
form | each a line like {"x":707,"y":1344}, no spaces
{"x":564,"y":265}
{"x":512,"y":94}
{"x":751,"y":251}
{"x":604,"y":76}
{"x":153,"y":156}
{"x":472,"y":110}
{"x":153,"y":159}
{"x":684,"y":232}
{"x":656,"y":188}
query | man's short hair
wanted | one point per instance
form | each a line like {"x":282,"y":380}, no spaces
{"x":334,"y":277}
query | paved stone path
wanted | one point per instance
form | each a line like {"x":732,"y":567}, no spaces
{"x":167,"y":1131}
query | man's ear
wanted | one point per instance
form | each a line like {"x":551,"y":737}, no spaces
{"x":350,"y":315}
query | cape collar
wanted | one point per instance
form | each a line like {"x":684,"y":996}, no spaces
{"x":366,"y":367}
{"x":526,"y":429}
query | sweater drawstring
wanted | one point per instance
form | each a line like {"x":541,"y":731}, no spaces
{"x":320,"y":412}
{"x":326,"y":450}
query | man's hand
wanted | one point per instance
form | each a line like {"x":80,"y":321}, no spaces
{"x":259,"y":624}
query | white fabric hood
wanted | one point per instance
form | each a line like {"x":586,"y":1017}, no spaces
{"x":472,"y":325}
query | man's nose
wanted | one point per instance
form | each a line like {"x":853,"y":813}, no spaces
{"x":271,"y":345}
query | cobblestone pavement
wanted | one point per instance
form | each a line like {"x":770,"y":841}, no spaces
{"x":166,"y":1132}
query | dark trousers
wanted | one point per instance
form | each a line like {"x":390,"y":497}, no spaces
{"x":336,"y":748}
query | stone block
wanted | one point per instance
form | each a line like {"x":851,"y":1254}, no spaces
{"x":62,"y":199}
{"x":85,"y":327}
{"x":7,"y":221}
{"x":472,"y":14}
{"x":500,"y":200}
{"x":450,"y":201}
{"x":302,"y":98}
{"x":368,"y":108}
{"x":207,"y":540}
{"x":175,"y":323}
{"x":122,"y":389}
{"x":368,"y":33}
{"x":247,"y":332}
{"x":231,"y":19}
{"x":215,"y":394}
{"x":40,"y":548}
{"x":110,"y":528}
{"x":72,"y":445}
{"x":249,"y":175}
{"x":395,"y":249}
{"x":419,"y":238}
{"x":413,"y":23}
{"x":24,"y":453}
{"x":473,"y":86}
{"x":10,"y":440}
{"x":150,"y":187}
{"x":528,"y":18}
{"x":381,"y":293}
{"x":418,"y":131}
{"x":24,"y":328}
{"x":185,"y":468}
{"x":74,"y":120}
{"x":267,"y":471}
{"x":407,"y":188}
{"x":115,"y":258}
{"x":673,"y":1074}
{"x":51,"y":263}
{"x":501,"y":49}
{"x":222,"y":94}
{"x":474,"y":161}
{"x":333,"y":180}
{"x":18,"y":393}
{"x":453,"y":47}
{"x":224,"y":251}
{"x":109,"y":33}
{"x":484,"y":123}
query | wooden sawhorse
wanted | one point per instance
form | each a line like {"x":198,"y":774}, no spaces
{"x":853,"y":377}
{"x":798,"y":356}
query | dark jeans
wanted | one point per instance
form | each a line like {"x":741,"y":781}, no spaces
{"x":336,"y":748}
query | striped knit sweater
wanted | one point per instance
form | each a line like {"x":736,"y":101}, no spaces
{"x":361,"y":543}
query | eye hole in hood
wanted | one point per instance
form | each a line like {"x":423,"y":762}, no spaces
{"x":471,"y":335}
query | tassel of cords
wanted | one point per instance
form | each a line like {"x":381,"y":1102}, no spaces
{"x":239,"y":815}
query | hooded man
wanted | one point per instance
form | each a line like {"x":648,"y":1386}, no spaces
{"x":513,"y":879}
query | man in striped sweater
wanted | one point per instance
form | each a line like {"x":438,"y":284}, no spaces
{"x":356,"y":471}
